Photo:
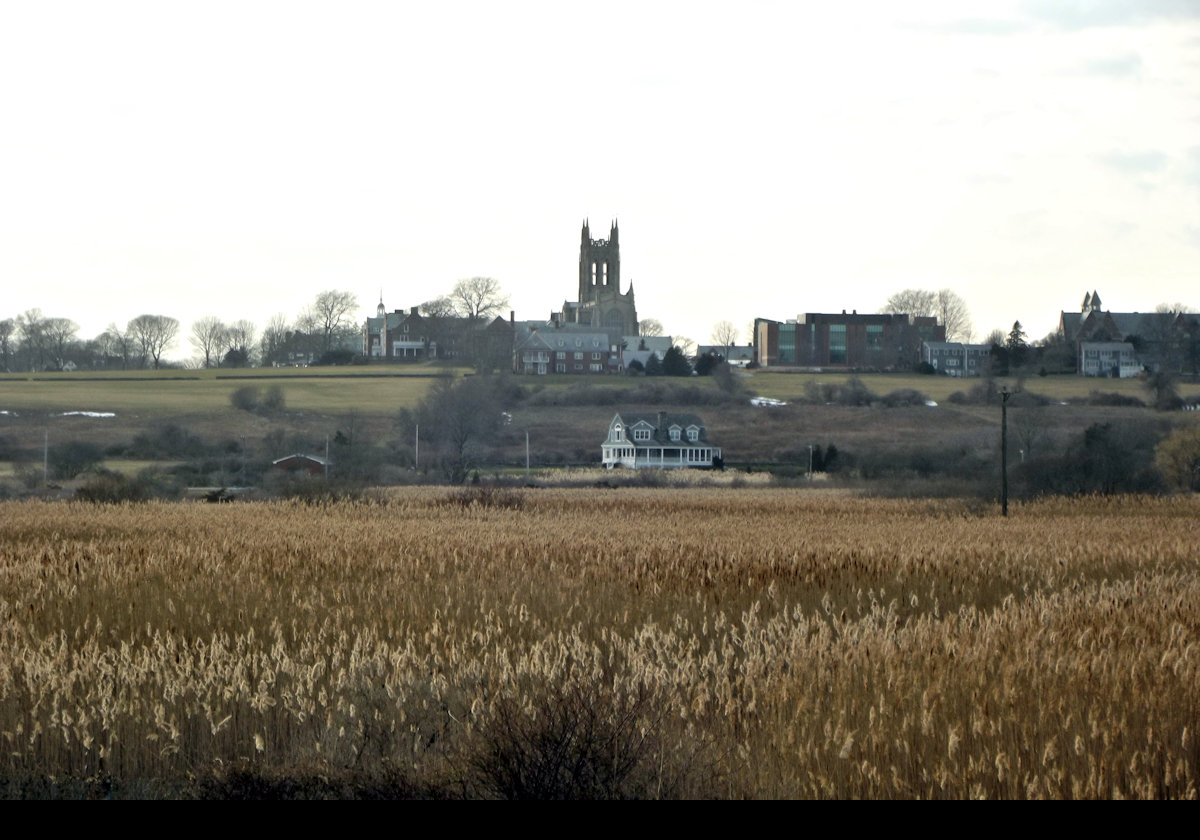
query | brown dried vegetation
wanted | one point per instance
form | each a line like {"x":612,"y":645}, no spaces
{"x":636,"y":643}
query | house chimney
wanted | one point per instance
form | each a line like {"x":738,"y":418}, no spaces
{"x":662,"y":419}
{"x":414,"y":310}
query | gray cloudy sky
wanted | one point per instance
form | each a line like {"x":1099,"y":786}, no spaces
{"x":764,"y":159}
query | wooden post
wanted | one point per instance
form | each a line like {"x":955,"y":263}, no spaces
{"x":1004,"y":395}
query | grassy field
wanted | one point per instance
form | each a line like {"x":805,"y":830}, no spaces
{"x":789,"y":384}
{"x":378,"y":388}
{"x":185,"y":392}
{"x":322,"y":402}
{"x":593,"y":643}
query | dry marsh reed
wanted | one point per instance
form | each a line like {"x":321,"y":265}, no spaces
{"x":632,"y":643}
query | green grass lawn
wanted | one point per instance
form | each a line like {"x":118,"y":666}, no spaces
{"x":787,"y":385}
{"x":189,"y":392}
{"x":384,"y":389}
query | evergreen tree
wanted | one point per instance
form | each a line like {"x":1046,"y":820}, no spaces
{"x":1016,"y":346}
{"x":676,"y":364}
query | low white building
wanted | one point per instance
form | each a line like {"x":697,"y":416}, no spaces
{"x":1114,"y":359}
{"x":954,"y":358}
{"x":661,"y":441}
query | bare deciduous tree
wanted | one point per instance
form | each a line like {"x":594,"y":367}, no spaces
{"x":31,"y":325}
{"x":650,"y":326}
{"x":478,"y":298}
{"x":274,"y":337}
{"x":152,"y":334}
{"x":911,"y":302}
{"x":208,"y":337}
{"x":60,"y":335}
{"x":955,"y":317}
{"x":115,"y":342}
{"x":239,"y":343}
{"x":946,"y":305}
{"x":439,"y":307}
{"x":332,"y":316}
{"x":724,"y":334}
{"x":8,"y":328}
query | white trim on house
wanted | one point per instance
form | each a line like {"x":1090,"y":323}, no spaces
{"x":657,"y":442}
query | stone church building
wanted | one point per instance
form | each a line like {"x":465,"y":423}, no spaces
{"x":601,"y":304}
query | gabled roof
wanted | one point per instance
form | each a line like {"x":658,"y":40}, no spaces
{"x":660,"y":424}
{"x":299,"y":456}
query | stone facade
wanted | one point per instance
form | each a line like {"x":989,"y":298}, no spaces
{"x":601,"y":303}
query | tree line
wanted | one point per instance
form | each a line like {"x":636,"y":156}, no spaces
{"x":33,"y":341}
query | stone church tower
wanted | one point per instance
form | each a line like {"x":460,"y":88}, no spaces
{"x":601,"y":303}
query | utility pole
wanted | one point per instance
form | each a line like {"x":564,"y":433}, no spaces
{"x":527,"y":455}
{"x":1004,"y":395}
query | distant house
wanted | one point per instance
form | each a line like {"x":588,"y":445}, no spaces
{"x":663,"y":441}
{"x":1118,"y":343}
{"x":401,"y":335}
{"x":639,"y":348}
{"x":1114,"y":359}
{"x":307,"y":464}
{"x":548,"y":347}
{"x":737,"y":355}
{"x":398,"y":336}
{"x":954,"y":358}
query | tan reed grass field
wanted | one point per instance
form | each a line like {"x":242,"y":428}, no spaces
{"x":671,"y":642}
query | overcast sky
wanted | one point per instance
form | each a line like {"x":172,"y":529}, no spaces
{"x":764,"y":159}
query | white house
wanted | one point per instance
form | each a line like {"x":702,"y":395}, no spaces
{"x":1116,"y":359}
{"x":662,"y":440}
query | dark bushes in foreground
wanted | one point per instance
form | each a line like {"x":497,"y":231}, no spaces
{"x":1107,"y":458}
{"x":111,"y":487}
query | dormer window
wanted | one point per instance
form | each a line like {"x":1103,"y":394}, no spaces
{"x":674,"y":433}
{"x":618,"y":433}
{"x":641,"y":434}
{"x":693,"y":434}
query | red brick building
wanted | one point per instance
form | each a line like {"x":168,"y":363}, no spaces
{"x":823,"y":340}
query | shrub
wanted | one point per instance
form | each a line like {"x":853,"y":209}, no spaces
{"x":273,"y":399}
{"x":164,"y":441}
{"x":340,"y":357}
{"x":1178,"y":458}
{"x":318,"y":491}
{"x":69,"y":459}
{"x":586,"y":741}
{"x":903,"y":397}
{"x":245,"y":781}
{"x":1109,"y":398}
{"x":245,"y":397}
{"x":112,"y":487}
{"x":1107,"y":458}
{"x":1163,"y":388}
{"x":486,"y":496}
